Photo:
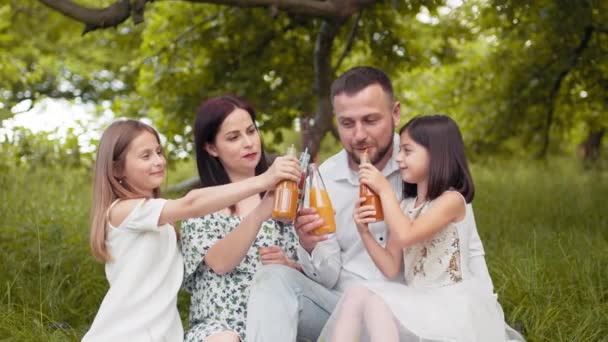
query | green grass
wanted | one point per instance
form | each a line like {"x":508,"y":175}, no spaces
{"x":544,"y":228}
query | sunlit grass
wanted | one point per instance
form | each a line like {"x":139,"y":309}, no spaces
{"x":543,"y":226}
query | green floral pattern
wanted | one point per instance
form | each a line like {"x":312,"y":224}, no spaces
{"x":219,"y":302}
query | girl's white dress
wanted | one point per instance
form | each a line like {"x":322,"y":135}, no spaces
{"x":442,"y":300}
{"x":145,"y":275}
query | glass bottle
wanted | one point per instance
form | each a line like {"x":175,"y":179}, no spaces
{"x":286,"y":197}
{"x":371,"y":198}
{"x":318,"y":198}
{"x":304,"y":159}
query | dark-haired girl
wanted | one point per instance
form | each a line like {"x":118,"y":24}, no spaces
{"x":428,"y":241}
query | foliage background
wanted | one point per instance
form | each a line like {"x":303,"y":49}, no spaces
{"x":527,"y":82}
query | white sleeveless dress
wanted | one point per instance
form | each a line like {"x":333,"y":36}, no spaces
{"x":442,"y":301}
{"x":145,"y":275}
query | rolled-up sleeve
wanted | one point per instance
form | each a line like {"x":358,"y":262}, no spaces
{"x":324,"y":264}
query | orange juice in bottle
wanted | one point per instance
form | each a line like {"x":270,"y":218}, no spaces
{"x":319,"y":199}
{"x":371,"y":198}
{"x":286,"y":197}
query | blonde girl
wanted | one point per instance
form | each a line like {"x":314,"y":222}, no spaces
{"x":132,"y":232}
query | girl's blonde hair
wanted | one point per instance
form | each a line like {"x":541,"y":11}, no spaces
{"x":107,"y":186}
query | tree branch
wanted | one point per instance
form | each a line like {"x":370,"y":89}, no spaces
{"x":93,"y":18}
{"x":185,"y":33}
{"x":350,"y":41}
{"x":328,"y":8}
{"x":121,"y":10}
{"x":138,"y":11}
{"x":324,"y":75}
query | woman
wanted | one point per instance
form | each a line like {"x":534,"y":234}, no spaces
{"x":223,"y":250}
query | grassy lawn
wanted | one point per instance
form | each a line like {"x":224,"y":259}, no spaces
{"x":543,"y":227}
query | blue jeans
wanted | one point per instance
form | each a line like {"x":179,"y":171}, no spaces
{"x":285,"y":304}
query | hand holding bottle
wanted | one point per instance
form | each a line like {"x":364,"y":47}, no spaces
{"x":363,"y":215}
{"x":306,"y":223}
{"x":318,"y":198}
{"x":286,"y":194}
{"x":371,"y":177}
{"x":283,"y":168}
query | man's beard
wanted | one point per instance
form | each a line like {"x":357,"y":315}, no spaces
{"x":376,"y":158}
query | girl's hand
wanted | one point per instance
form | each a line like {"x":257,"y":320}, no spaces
{"x":363,"y":216}
{"x":370,"y":176}
{"x":283,"y":168}
{"x":275,"y":255}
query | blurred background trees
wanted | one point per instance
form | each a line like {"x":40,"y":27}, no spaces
{"x":525,"y":79}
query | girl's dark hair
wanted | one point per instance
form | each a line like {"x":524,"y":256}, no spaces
{"x":448,"y":168}
{"x":209,"y":117}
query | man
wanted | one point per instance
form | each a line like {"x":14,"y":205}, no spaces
{"x":285,"y":303}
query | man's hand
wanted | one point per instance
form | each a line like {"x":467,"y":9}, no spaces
{"x":307,"y":221}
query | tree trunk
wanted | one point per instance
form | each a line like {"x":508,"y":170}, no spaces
{"x":585,"y":39}
{"x":324,"y":75}
{"x":589,"y":150}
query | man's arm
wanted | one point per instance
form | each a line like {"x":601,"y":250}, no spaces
{"x":319,"y":255}
{"x":323,"y":265}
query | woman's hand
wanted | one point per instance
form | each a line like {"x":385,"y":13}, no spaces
{"x":264,"y":208}
{"x":283,"y":168}
{"x":374,"y":179}
{"x":275,"y":255}
{"x":363,"y":215}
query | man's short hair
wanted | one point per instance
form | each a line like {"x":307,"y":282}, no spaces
{"x":358,"y":78}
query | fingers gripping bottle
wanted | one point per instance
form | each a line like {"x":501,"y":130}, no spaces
{"x":286,"y":197}
{"x":319,"y":199}
{"x":371,"y":198}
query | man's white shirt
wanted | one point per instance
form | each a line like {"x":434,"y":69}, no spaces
{"x":342,"y":259}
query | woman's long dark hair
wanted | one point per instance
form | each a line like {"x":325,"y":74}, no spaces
{"x":209,"y":117}
{"x":448,"y":168}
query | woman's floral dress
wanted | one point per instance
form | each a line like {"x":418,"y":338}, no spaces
{"x":219,"y":302}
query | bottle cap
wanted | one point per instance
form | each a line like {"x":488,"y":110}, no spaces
{"x":291,"y":151}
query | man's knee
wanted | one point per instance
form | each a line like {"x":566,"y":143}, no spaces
{"x":274,"y":288}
